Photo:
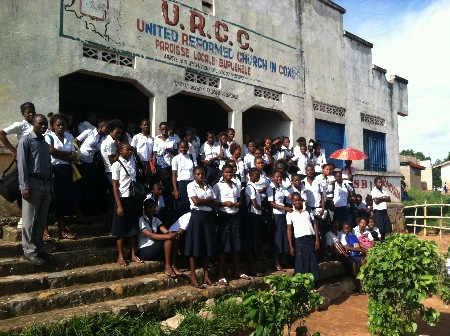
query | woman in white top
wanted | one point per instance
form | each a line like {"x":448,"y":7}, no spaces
{"x":342,"y":192}
{"x":91,"y":141}
{"x":210,"y":155}
{"x":20,"y":129}
{"x":235,"y":151}
{"x":314,"y":194}
{"x":225,"y":148}
{"x":318,"y":158}
{"x":143,"y":143}
{"x":126,"y":209}
{"x":380,"y":199}
{"x":63,"y":152}
{"x":348,"y":171}
{"x":277,"y":195}
{"x":182,"y":174}
{"x":201,"y":232}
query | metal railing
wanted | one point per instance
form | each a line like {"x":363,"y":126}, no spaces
{"x":426,"y":217}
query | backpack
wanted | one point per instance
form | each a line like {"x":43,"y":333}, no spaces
{"x":352,"y":241}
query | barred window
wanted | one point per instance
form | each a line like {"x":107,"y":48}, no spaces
{"x":268,"y":94}
{"x":330,"y":109}
{"x":375,"y":148}
{"x":111,"y":57}
{"x":202,"y":79}
{"x":371,"y":119}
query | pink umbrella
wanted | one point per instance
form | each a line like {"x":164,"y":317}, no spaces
{"x":348,"y":154}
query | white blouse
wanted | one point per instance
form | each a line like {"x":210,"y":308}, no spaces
{"x":184,"y":166}
{"x":194,"y":189}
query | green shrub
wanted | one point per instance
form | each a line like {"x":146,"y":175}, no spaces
{"x":399,"y":274}
{"x":289,"y":298}
{"x":444,"y":288}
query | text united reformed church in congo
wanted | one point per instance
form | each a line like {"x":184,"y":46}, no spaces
{"x":266,"y":68}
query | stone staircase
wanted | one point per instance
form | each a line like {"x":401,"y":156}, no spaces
{"x":84,"y":279}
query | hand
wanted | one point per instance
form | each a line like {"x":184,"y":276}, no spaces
{"x":26,"y":194}
{"x":227,"y":204}
{"x":176,"y":194}
{"x":237,"y":204}
{"x":14,"y":153}
{"x":288,"y":209}
{"x":153,"y":168}
{"x":292,"y":251}
{"x":119,"y":210}
{"x":172,"y":236}
{"x":317,"y":244}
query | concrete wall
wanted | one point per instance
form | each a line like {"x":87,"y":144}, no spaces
{"x":445,"y":174}
{"x":427,"y":175}
{"x":308,"y":59}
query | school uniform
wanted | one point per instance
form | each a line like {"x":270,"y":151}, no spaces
{"x":292,"y":189}
{"x":149,"y":249}
{"x":212,"y":170}
{"x":375,"y":233}
{"x":229,"y":228}
{"x":263,"y":182}
{"x":382,"y":221}
{"x":364,"y":237}
{"x":126,"y":225}
{"x":240,"y":170}
{"x":331,"y":240}
{"x":201,"y":232}
{"x":318,"y":162}
{"x":343,"y":241}
{"x":107,"y":148}
{"x":345,"y":171}
{"x":226,"y":155}
{"x":65,"y":192}
{"x":181,"y":223}
{"x":249,"y":161}
{"x":306,"y":259}
{"x":286,"y":180}
{"x":160,"y":150}
{"x":91,"y":142}
{"x":302,"y":162}
{"x":252,"y":223}
{"x":144,"y":148}
{"x":85,"y":125}
{"x":312,"y":194}
{"x":279,"y":196}
{"x":340,"y":200}
{"x":244,"y":150}
{"x":184,"y":165}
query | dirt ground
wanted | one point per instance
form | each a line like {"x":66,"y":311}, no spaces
{"x":347,"y":315}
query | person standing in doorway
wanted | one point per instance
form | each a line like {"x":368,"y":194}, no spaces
{"x":35,"y":181}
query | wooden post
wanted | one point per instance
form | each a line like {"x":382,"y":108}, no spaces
{"x":440,"y":222}
{"x":425,"y":219}
{"x":415,"y":219}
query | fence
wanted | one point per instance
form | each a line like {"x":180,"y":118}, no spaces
{"x":426,"y":217}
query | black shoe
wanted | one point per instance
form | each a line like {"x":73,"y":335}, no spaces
{"x":34,"y":260}
{"x":46,"y":256}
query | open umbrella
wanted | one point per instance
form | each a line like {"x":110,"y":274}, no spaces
{"x":348,"y":154}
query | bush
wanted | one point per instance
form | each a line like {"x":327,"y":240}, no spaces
{"x":399,"y":274}
{"x":444,"y":291}
{"x":289,"y":298}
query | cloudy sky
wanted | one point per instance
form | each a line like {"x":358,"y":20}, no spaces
{"x":411,"y":39}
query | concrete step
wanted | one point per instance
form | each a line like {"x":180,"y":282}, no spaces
{"x":63,"y":261}
{"x":14,"y":249}
{"x":47,"y":281}
{"x":72,"y":296}
{"x":161,"y":304}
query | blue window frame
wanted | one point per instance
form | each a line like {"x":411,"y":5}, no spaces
{"x":375,"y":148}
{"x":332,"y":137}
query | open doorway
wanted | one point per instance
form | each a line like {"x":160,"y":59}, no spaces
{"x":81,"y":94}
{"x":199,"y":112}
{"x":260,"y":123}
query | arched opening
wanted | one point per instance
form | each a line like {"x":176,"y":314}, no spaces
{"x":196,"y":111}
{"x":82,"y":93}
{"x":261,"y":123}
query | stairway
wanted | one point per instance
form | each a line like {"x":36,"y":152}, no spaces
{"x":84,"y":279}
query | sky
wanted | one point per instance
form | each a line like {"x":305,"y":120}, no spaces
{"x":411,"y":39}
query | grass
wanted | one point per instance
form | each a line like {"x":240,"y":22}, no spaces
{"x":227,"y":318}
{"x":431,"y":197}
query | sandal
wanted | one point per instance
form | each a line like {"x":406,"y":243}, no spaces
{"x":242,"y":276}
{"x":223,"y":282}
{"x":169,"y":272}
{"x":47,"y":238}
{"x":176,"y":271}
{"x":137,"y":260}
{"x":209,"y":283}
{"x":197,"y":286}
{"x":67,"y":236}
{"x":121,"y":262}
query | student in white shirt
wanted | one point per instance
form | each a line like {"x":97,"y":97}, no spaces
{"x":380,"y":199}
{"x":161,"y":212}
{"x":164,"y":147}
{"x":263,"y":183}
{"x":348,"y":170}
{"x":318,"y":158}
{"x":374,"y":231}
{"x":235,"y":151}
{"x":20,"y":129}
{"x":249,"y":158}
{"x":364,"y":236}
{"x":313,"y":194}
{"x":247,"y":139}
{"x":253,"y":220}
{"x":143,"y":143}
{"x":126,"y":210}
{"x":307,"y":241}
{"x":90,"y":141}
{"x":210,"y":155}
{"x":155,"y":241}
{"x":109,"y":152}
{"x":182,"y":174}
{"x":193,"y":148}
{"x":200,"y":234}
{"x":301,"y":160}
{"x":229,"y":224}
{"x":282,"y":166}
{"x":277,"y":195}
{"x":89,"y":124}
{"x":225,"y":149}
{"x":342,"y":192}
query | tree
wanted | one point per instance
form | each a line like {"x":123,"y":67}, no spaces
{"x":418,"y":155}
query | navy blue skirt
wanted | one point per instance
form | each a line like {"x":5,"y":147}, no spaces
{"x":183,"y":202}
{"x":62,"y":185}
{"x":250,"y":228}
{"x":152,"y":252}
{"x":306,"y":260}
{"x":382,"y":222}
{"x":128,"y":224}
{"x":280,"y":234}
{"x":229,"y":232}
{"x":201,"y":235}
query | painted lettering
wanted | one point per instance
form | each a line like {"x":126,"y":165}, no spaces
{"x":175,"y":13}
{"x":197,"y":22}
{"x":219,"y":37}
{"x":140,"y":25}
{"x":242,"y":33}
{"x":356,"y":184}
{"x":363,"y":184}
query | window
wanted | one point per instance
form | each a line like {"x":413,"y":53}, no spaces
{"x":202,"y":79}
{"x":375,"y":148}
{"x":208,"y":6}
{"x":111,"y":57}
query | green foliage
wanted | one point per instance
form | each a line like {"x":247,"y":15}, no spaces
{"x":399,"y":274}
{"x":444,"y":288}
{"x":418,"y":155}
{"x":289,"y":298}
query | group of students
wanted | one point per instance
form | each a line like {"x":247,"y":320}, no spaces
{"x":213,"y":198}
